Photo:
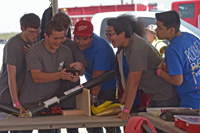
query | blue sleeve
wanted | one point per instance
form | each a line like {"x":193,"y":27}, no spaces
{"x":173,"y":62}
{"x":102,"y":59}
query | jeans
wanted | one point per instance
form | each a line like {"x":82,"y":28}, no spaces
{"x":72,"y":130}
{"x":100,"y":130}
{"x":95,"y":130}
{"x":172,"y":102}
{"x":10,"y":131}
{"x":69,"y":130}
{"x":40,"y":131}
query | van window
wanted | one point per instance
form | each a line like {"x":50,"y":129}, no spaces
{"x":186,"y":10}
{"x":146,"y":21}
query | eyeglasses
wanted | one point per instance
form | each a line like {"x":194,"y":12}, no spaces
{"x":110,"y":34}
{"x":34,"y":32}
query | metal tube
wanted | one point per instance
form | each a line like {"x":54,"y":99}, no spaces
{"x":9,"y":109}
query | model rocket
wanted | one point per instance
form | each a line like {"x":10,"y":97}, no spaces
{"x":8,"y":109}
{"x":67,"y":94}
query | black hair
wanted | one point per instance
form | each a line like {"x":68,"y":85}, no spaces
{"x":169,"y":19}
{"x":53,"y":26}
{"x":30,"y":20}
{"x":127,"y":23}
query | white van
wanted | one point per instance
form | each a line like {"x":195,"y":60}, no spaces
{"x":99,"y":21}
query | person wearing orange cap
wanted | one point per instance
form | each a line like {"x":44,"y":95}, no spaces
{"x":100,"y":58}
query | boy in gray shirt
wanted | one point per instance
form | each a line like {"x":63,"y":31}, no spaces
{"x":14,"y":66}
{"x":47,"y":62}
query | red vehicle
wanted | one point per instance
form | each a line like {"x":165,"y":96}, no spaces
{"x":189,"y":11}
{"x":86,"y":13}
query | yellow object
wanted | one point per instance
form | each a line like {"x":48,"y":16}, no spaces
{"x":117,"y":88}
{"x":111,"y":111}
{"x":24,"y":115}
{"x":116,"y":95}
{"x":156,"y":113}
{"x":106,"y":105}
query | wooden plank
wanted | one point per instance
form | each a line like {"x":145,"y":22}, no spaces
{"x":73,"y":112}
{"x":83,"y":102}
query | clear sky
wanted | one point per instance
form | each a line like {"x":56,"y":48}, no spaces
{"x":12,"y":10}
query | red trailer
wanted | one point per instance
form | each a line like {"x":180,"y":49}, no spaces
{"x":189,"y":11}
{"x":86,"y":13}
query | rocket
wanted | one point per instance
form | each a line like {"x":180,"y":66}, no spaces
{"x":111,"y":111}
{"x":67,"y":94}
{"x":8,"y":109}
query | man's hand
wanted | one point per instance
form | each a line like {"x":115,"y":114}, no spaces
{"x":25,"y":49}
{"x":21,"y":108}
{"x":123,"y":115}
{"x":75,"y":78}
{"x":76,"y":65}
{"x":65,"y":75}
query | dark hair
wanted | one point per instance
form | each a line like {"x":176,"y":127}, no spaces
{"x":169,"y":19}
{"x":53,"y":26}
{"x":89,"y":36}
{"x":30,"y":20}
{"x":63,"y":18}
{"x":127,"y":23}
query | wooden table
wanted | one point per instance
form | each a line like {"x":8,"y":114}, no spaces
{"x":166,"y":126}
{"x":56,"y":122}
